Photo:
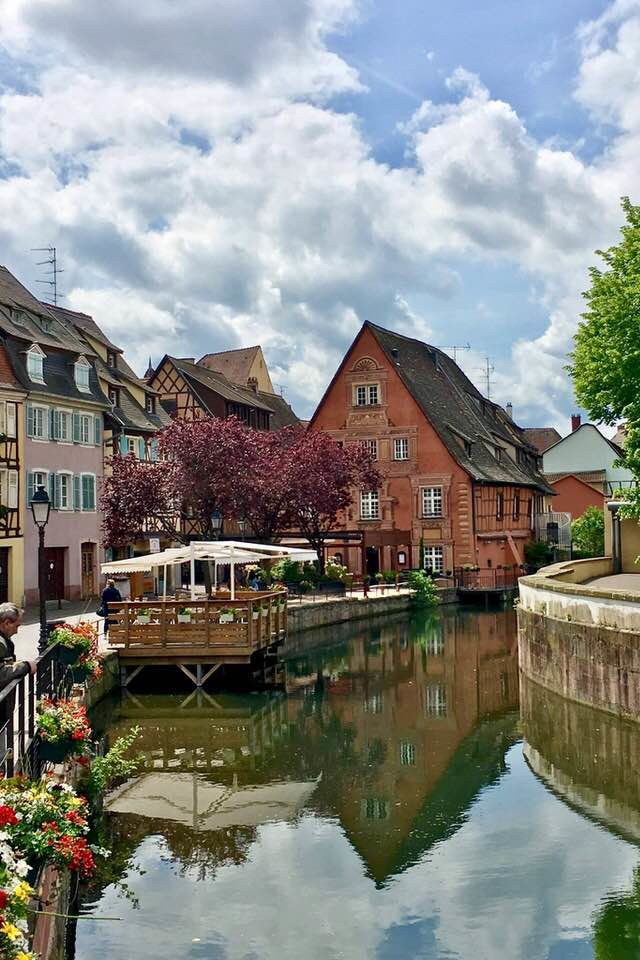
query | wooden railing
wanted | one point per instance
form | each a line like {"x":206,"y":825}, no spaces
{"x":251,"y":621}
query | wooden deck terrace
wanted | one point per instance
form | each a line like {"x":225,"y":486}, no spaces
{"x":206,"y":633}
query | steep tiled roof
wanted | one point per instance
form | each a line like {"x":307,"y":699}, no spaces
{"x":58,"y":374}
{"x":541,"y":437}
{"x":199,"y":377}
{"x":85,"y":323}
{"x":457,"y":411}
{"x":234,"y":364}
{"x":283,"y":415}
{"x":594,"y":478}
{"x":21,"y":315}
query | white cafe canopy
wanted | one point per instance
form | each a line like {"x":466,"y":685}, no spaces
{"x":232,"y":552}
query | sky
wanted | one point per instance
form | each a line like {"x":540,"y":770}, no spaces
{"x":280,"y":171}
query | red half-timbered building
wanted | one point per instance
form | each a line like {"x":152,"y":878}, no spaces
{"x":461,"y":483}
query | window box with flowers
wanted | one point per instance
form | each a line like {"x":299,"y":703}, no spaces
{"x":143,"y":616}
{"x":74,"y":641}
{"x":226,"y":616}
{"x":184,"y":615}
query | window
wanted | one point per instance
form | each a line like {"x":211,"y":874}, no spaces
{"x":371,"y":446}
{"x":114,"y":396}
{"x":407,"y":753}
{"x":35,"y":364}
{"x":434,"y":644}
{"x":88,"y":481}
{"x":132,"y":446}
{"x":37,"y":422}
{"x":35,"y":479}
{"x":111,"y":359}
{"x":373,"y":704}
{"x":434,"y":559}
{"x":82,"y":428}
{"x":375,"y":808}
{"x":432,"y":501}
{"x":467,"y":447}
{"x":150,"y":404}
{"x":11,"y":420}
{"x":499,"y":454}
{"x":64,"y":491}
{"x":9,"y":489}
{"x":366,"y":394}
{"x":81,"y":374}
{"x":18,"y":317}
{"x":370,"y":505}
{"x":516,"y":506}
{"x":401,"y":448}
{"x":63,"y":427}
{"x":436,"y":700}
{"x":499,"y":506}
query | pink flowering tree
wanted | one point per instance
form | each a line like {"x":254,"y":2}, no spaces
{"x":327,"y":478}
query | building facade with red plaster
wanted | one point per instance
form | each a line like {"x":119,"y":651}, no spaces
{"x":461,"y":485}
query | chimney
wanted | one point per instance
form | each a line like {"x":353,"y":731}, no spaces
{"x":510,"y":411}
{"x":575,"y":421}
{"x":252,"y":383}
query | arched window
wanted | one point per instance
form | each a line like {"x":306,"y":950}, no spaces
{"x":81,"y":374}
{"x":35,"y":363}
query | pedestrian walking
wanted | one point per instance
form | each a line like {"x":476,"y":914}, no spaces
{"x":110,"y":594}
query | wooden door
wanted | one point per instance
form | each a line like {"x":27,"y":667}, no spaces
{"x":88,"y":553}
{"x":373,"y":561}
{"x":54,"y":567}
{"x":4,"y":574}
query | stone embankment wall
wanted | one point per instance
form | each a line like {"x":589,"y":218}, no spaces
{"x":580,"y":641}
{"x":325,"y":613}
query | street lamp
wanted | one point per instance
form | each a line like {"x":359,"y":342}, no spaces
{"x":40,"y":510}
{"x":613,"y":506}
{"x":242,"y":526}
{"x":216,"y":524}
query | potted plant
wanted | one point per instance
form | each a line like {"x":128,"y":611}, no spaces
{"x":265,"y":610}
{"x":74,"y":642}
{"x":63,"y":729}
{"x":256,"y":611}
{"x":226,"y":615}
{"x":143,"y":615}
{"x":88,"y":667}
{"x":184,"y":615}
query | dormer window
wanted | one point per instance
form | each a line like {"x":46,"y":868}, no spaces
{"x":150,"y":404}
{"x":114,"y":396}
{"x":35,"y":363}
{"x":111,"y":359}
{"x":18,"y":317}
{"x":81,"y":374}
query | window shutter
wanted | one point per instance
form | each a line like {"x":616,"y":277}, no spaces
{"x":3,"y":417}
{"x":141,"y":449}
{"x":12,"y":494}
{"x":30,"y":420}
{"x":77,"y":495}
{"x":53,"y":433}
{"x":154,"y":450}
{"x":124,"y":447}
{"x":52,"y":490}
{"x":11,"y":420}
{"x":97,"y":430}
{"x":31,"y":487}
{"x":76,"y":427}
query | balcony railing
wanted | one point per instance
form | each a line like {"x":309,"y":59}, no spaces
{"x":487,"y":578}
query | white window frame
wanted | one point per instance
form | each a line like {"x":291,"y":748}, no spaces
{"x":35,"y":351}
{"x":499,"y":505}
{"x":369,"y":505}
{"x":11,"y":419}
{"x":371,"y":446}
{"x":434,"y":557}
{"x":68,"y":474}
{"x":432,"y":502}
{"x":43,"y":473}
{"x":44,"y":411}
{"x":132,"y":446}
{"x":363,"y":394}
{"x":400,"y":448}
{"x":84,"y":509}
{"x":88,"y":417}
{"x":68,"y":414}
{"x":83,"y":366}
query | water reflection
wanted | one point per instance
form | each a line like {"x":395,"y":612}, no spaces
{"x":381,"y":807}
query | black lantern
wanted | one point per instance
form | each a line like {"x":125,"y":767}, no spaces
{"x":216,"y":522}
{"x":41,"y":507}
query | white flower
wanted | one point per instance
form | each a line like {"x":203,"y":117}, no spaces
{"x":22,"y":868}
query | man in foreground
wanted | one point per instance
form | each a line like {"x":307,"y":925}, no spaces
{"x":10,"y":669}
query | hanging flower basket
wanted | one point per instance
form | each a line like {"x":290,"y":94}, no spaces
{"x":255,"y":614}
{"x":80,"y":672}
{"x":74,"y":641}
{"x":67,"y":655}
{"x":56,"y":752}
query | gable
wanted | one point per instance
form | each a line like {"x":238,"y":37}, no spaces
{"x":584,"y":449}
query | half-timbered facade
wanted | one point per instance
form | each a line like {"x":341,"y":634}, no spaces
{"x":12,"y":476}
{"x":461,"y":484}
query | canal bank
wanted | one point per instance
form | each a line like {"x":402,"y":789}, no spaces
{"x":578,"y":634}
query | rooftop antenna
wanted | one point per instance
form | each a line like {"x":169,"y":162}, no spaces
{"x":53,"y":273}
{"x":487,"y":370}
{"x":455,"y":347}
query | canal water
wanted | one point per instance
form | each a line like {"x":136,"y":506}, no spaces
{"x":406,"y":797}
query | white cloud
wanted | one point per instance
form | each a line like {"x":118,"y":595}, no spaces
{"x":202,"y":175}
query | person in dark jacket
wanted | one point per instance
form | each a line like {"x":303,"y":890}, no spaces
{"x":110,"y":594}
{"x":10,"y":668}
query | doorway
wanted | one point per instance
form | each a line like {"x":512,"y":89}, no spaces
{"x":54,"y":567}
{"x":372,"y":556}
{"x":4,"y":574}
{"x":88,"y":556}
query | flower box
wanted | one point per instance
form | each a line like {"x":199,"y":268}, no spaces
{"x":184,"y":618}
{"x":56,"y":752}
{"x":143,"y":618}
{"x":255,"y":614}
{"x":265,"y":611}
{"x":226,"y":618}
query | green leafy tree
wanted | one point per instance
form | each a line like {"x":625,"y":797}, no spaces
{"x":587,"y":532}
{"x":606,"y":359}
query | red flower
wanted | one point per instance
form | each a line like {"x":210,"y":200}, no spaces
{"x":7,"y":816}
{"x":3,"y":899}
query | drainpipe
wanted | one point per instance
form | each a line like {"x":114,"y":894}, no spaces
{"x":616,"y":546}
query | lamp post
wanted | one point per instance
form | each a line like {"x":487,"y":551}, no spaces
{"x":613,"y":507}
{"x":40,"y":510}
{"x":242,"y":526}
{"x":216,"y":524}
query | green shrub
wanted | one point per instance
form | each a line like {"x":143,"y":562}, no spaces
{"x":115,"y":766}
{"x":335,"y":572}
{"x":425,"y":593}
{"x":587,"y":532}
{"x":389,"y":576}
{"x":538,"y":554}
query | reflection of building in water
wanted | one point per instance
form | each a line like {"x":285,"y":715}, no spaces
{"x":411,"y":700}
{"x":588,"y":758}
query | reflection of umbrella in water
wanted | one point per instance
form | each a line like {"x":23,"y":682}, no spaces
{"x":188,"y":798}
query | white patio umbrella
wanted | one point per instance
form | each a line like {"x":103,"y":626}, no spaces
{"x":232,"y":552}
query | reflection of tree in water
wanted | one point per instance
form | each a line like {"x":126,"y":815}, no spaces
{"x":617,"y":926}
